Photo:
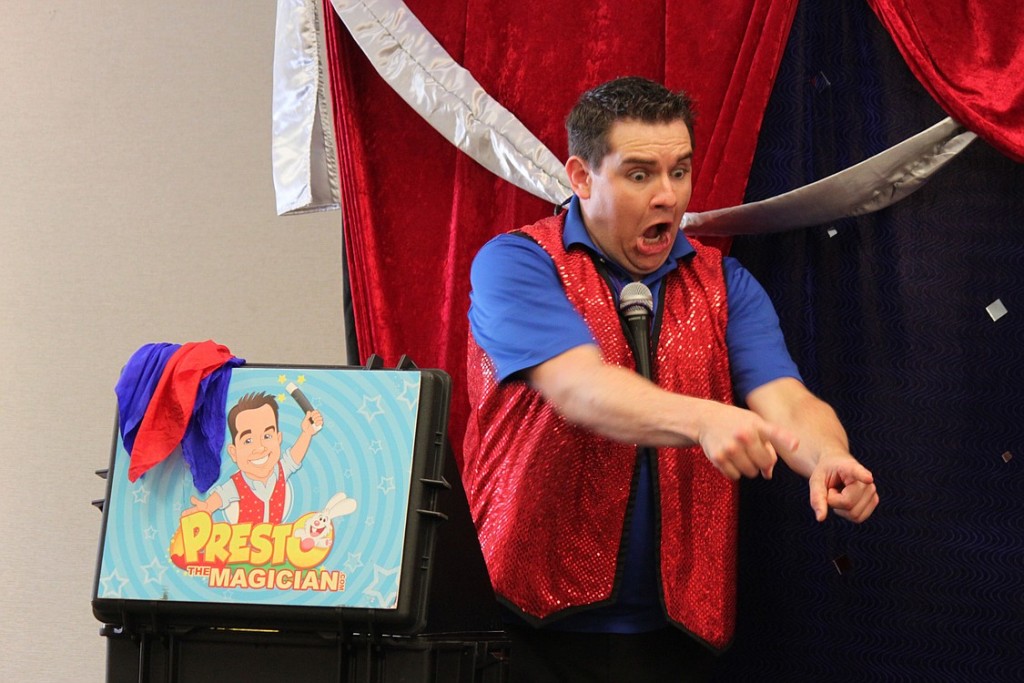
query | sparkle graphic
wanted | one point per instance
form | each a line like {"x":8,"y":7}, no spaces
{"x":281,"y":398}
{"x":141,"y":494}
{"x":281,"y":379}
{"x":410,"y":394}
{"x":301,"y":379}
{"x":354,"y":562}
{"x":153,"y":572}
{"x":366,"y":411}
{"x":386,"y":485}
{"x":384,"y":586}
{"x":113,"y":584}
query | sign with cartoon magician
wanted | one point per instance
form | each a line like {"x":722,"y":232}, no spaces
{"x":310,"y":507}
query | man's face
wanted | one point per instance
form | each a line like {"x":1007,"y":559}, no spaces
{"x":633,"y":202}
{"x":257,"y":445}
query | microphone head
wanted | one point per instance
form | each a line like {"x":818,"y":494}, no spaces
{"x":636,"y":300}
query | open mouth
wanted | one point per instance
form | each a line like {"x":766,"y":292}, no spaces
{"x":654,"y":241}
{"x":260,"y":461}
{"x":656,"y":232}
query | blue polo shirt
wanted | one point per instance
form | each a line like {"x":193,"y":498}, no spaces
{"x":520,"y":317}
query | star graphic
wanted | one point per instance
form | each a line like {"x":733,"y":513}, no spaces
{"x":281,"y":379}
{"x":154,"y":571}
{"x":281,"y":398}
{"x":141,"y":494}
{"x":382,"y":575}
{"x":410,"y":394}
{"x":366,"y":411}
{"x":113,"y":584}
{"x":370,"y":521}
{"x":149,"y":532}
{"x":376,"y":446}
{"x":354,"y":562}
{"x":386,"y":485}
{"x":301,"y":379}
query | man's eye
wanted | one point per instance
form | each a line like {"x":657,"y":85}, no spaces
{"x":638,"y":176}
{"x":680,"y":173}
{"x":248,"y":441}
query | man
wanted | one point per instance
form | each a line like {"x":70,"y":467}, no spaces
{"x":259,"y":485}
{"x":606,"y":503}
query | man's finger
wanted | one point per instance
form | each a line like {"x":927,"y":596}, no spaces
{"x":859,"y":473}
{"x":819,"y":496}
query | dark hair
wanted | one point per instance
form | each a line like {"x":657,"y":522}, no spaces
{"x":250,"y":402}
{"x":629,"y":98}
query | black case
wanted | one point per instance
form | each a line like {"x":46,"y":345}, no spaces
{"x":445,"y":618}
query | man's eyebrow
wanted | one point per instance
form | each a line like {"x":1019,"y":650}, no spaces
{"x":638,"y":161}
{"x":645,"y":161}
{"x":247,"y":431}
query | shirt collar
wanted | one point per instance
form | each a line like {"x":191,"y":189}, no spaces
{"x":576,"y":233}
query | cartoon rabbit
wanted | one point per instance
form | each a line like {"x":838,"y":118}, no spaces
{"x":319,"y":530}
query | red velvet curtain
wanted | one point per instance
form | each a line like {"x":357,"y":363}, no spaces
{"x":416,"y":210}
{"x":969,"y":55}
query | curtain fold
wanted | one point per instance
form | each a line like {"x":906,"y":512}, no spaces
{"x":415,"y":210}
{"x":970,"y":57}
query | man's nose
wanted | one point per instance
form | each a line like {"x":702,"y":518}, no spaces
{"x":664,"y":193}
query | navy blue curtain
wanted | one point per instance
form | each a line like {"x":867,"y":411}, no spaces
{"x":888,"y":317}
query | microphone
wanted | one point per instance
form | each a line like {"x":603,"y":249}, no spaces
{"x":637,"y":304}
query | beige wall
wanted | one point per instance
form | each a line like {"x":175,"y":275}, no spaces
{"x":136,"y":205}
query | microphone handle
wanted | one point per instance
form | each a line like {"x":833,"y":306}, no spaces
{"x":641,"y":344}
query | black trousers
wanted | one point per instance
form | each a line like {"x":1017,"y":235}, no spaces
{"x":664,"y":656}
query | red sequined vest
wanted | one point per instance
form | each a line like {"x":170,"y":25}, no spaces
{"x":549,"y":499}
{"x":251,"y":508}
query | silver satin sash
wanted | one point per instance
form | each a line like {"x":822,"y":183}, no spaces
{"x":303,"y":152}
{"x":447,"y":96}
{"x":873,"y":184}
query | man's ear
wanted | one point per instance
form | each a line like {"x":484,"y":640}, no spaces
{"x":231,"y":452}
{"x":578,"y":171}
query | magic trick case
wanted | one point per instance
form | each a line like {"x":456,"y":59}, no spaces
{"x":366,"y":566}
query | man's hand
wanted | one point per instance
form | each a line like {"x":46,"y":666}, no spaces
{"x":740,"y":443}
{"x":843,"y":484}
{"x":835,"y":477}
{"x":312,"y":422}
{"x":198,"y":505}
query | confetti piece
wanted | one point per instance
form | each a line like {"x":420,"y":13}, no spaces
{"x":996,"y":310}
{"x":1007,"y":456}
{"x":842,"y":564}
